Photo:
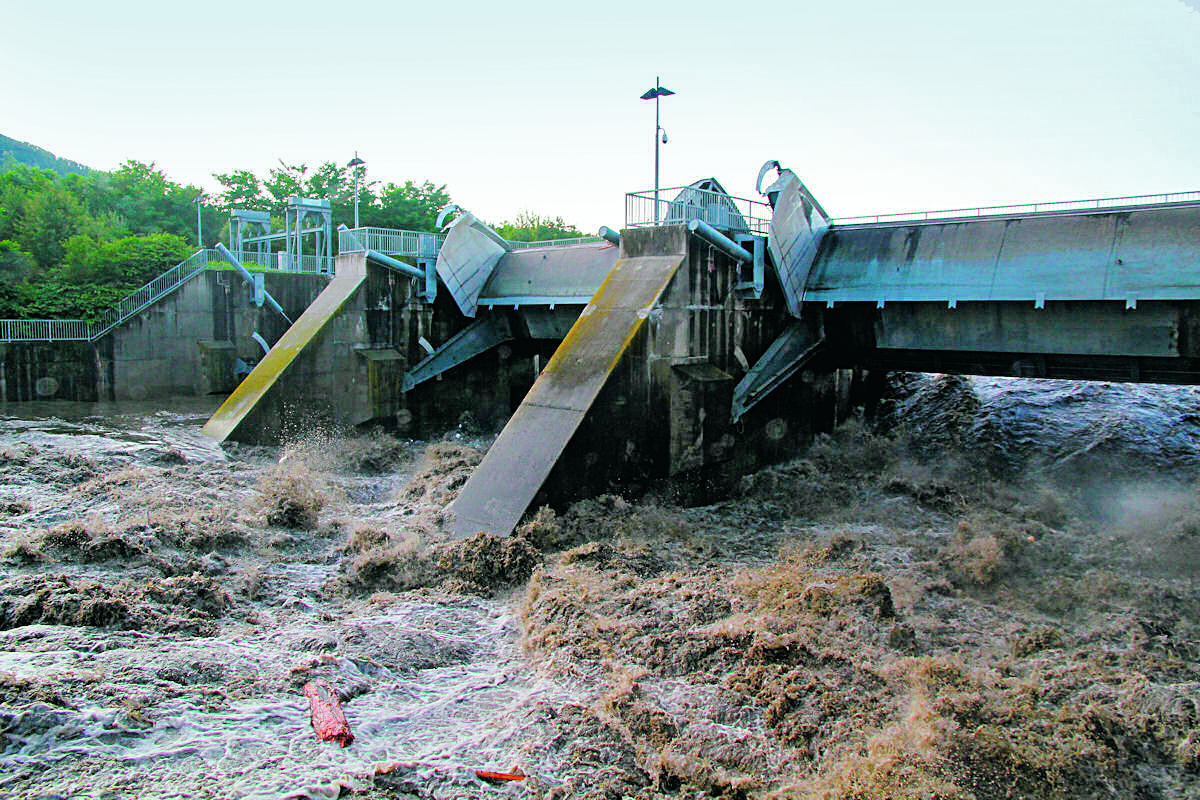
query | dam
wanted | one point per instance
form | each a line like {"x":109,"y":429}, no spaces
{"x":710,"y":335}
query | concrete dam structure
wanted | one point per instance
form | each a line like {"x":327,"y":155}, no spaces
{"x":715,"y":334}
{"x":711,"y":335}
{"x":192,"y":340}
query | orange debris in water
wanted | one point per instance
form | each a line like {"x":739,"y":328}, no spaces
{"x":498,"y":777}
{"x":327,"y":718}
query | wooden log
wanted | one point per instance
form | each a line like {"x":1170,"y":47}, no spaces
{"x":328,"y":720}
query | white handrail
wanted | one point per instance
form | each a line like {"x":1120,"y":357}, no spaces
{"x":1057,"y":207}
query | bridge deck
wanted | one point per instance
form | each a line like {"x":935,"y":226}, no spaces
{"x":1127,"y":255}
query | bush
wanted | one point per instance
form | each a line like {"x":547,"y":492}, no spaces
{"x":15,"y":264}
{"x":131,"y":261}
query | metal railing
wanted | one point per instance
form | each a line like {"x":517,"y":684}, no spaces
{"x":392,"y":241}
{"x":554,"y":242}
{"x":45,"y":330}
{"x":1058,"y":207}
{"x":417,"y":244}
{"x":682,"y":204}
{"x":278,"y":262}
{"x":156,"y":289}
{"x":62,"y":330}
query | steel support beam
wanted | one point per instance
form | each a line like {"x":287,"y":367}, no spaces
{"x":788,"y":353}
{"x":480,"y":336}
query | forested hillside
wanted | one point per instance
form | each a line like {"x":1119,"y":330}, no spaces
{"x":13,"y":152}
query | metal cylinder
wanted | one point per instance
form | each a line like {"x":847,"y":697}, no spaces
{"x":237,"y":265}
{"x":256,"y":336}
{"x":720,"y":241}
{"x":392,"y":263}
{"x":248,"y":278}
{"x":609,"y":235}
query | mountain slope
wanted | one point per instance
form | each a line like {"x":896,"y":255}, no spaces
{"x":13,"y":152}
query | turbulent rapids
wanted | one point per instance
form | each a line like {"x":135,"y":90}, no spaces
{"x":987,"y":590}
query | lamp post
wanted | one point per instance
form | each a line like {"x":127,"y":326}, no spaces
{"x":199,"y":233}
{"x":356,"y":162}
{"x":653,"y":94}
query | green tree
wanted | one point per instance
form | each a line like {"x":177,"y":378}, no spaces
{"x":148,"y":202}
{"x":284,"y":181}
{"x":128,"y":262}
{"x":66,"y":247}
{"x":16,"y":186}
{"x":47,"y":218}
{"x":530,"y":227}
{"x":242,"y":189}
{"x":15,"y":264}
{"x":410,"y":206}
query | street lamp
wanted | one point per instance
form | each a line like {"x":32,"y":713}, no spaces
{"x":199,"y":233}
{"x":356,"y":162}
{"x":653,"y":94}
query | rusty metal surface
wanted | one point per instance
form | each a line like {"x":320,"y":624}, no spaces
{"x":514,"y":469}
{"x":1125,"y":255}
{"x":558,"y":272}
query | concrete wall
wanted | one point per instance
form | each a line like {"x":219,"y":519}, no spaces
{"x":663,"y":418}
{"x":185,"y":344}
{"x":1145,"y":254}
{"x":48,"y":371}
{"x":1156,"y":342}
{"x":350,"y":371}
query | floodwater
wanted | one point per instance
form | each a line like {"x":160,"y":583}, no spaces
{"x":994,"y":597}
{"x":209,"y":705}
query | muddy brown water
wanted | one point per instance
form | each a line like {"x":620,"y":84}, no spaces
{"x":1004,"y":605}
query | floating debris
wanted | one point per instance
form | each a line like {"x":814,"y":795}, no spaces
{"x":328,"y":719}
{"x":499,"y":777}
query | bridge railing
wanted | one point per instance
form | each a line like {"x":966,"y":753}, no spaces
{"x":60,"y":330}
{"x":578,"y":240}
{"x":681,"y":204}
{"x":156,"y":289}
{"x":279,"y":262}
{"x":45,"y":330}
{"x":1057,"y":207}
{"x":418,"y":244}
{"x":393,"y":241}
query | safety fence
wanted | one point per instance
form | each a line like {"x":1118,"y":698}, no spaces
{"x":392,"y":241}
{"x":1057,"y":207}
{"x":60,"y":330}
{"x":578,"y":240}
{"x":681,"y":204}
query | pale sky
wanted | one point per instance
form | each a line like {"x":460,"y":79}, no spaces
{"x":879,"y":106}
